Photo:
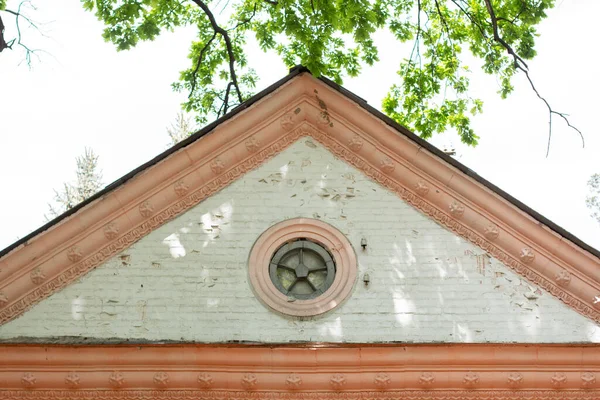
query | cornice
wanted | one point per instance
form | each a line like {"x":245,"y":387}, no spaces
{"x":432,"y":371}
{"x":302,"y":107}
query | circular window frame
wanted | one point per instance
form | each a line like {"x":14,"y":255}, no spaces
{"x":314,"y":230}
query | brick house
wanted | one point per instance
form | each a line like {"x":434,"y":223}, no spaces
{"x":302,"y":246}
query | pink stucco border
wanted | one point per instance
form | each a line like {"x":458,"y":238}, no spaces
{"x":300,"y":371}
{"x":328,"y":236}
{"x":79,"y":243}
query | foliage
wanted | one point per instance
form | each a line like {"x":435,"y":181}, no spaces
{"x":88,"y":182}
{"x":181,"y":128}
{"x":334,"y":38}
{"x":592,"y":201}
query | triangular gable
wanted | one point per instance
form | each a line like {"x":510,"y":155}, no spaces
{"x":300,"y":105}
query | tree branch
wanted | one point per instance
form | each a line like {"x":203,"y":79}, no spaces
{"x":522,"y":66}
{"x":199,"y":63}
{"x":229,"y":47}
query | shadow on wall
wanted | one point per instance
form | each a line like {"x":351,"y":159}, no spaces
{"x":426,"y":284}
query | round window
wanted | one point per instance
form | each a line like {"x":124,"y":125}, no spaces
{"x":302,"y":269}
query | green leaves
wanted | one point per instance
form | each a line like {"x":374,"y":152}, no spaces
{"x":334,"y":38}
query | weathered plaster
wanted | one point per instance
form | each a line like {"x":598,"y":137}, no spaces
{"x":188,"y":279}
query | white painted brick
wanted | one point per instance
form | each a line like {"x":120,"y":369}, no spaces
{"x":188,"y":279}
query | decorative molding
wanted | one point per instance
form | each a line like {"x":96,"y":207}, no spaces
{"x":161,"y":379}
{"x":28,"y":380}
{"x":471,"y":379}
{"x":337,"y":381}
{"x":272,"y":368}
{"x":152,"y":193}
{"x":332,"y":239}
{"x":558,"y":379}
{"x":356,"y":143}
{"x":563,"y":278}
{"x":72,"y":380}
{"x":37,"y":276}
{"x":527,"y":255}
{"x":456,"y":209}
{"x":74,"y":254}
{"x":588,"y":379}
{"x":252,"y":144}
{"x":3,"y":299}
{"x":111,"y":231}
{"x":181,"y":188}
{"x":382,"y":380}
{"x":293,"y":381}
{"x":491,"y":232}
{"x":249,"y":381}
{"x":515,"y":379}
{"x":287,"y":121}
{"x":116,"y":379}
{"x":146,"y":209}
{"x":387,"y":165}
{"x":427,"y":379}
{"x":241,"y":395}
{"x":205,"y":380}
{"x":421,"y":188}
{"x":217,"y":166}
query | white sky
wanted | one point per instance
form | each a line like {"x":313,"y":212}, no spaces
{"x":87,"y":94}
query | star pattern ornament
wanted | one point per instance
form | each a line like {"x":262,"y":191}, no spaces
{"x":421,"y":188}
{"x":74,"y":254}
{"x":111,"y":231}
{"x":217,"y":166}
{"x":588,"y":379}
{"x":180,"y":188}
{"x":249,"y":381}
{"x":426,"y":378}
{"x":28,"y":380}
{"x":37,"y":276}
{"x":491,"y":232}
{"x":456,"y":209}
{"x":558,"y":379}
{"x":205,"y":380}
{"x":515,"y":379}
{"x":72,"y":379}
{"x":387,"y":165}
{"x":337,"y":381}
{"x":563,"y":278}
{"x":382,"y":380}
{"x":355,"y":143}
{"x":161,"y":379}
{"x":252,"y":144}
{"x":146,"y":209}
{"x":116,"y":379}
{"x":471,"y":379}
{"x":293,"y":381}
{"x":526,"y":255}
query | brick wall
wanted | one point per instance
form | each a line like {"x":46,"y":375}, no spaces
{"x":188,"y":279}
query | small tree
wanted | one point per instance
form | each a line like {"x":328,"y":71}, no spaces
{"x":89,"y":181}
{"x":183,"y":127}
{"x":593,"y":199}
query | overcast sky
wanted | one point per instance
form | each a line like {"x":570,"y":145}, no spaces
{"x":86,"y":94}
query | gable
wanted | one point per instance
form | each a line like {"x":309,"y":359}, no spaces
{"x":304,"y":106}
{"x":188,"y":279}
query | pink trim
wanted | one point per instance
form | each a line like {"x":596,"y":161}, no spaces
{"x":402,"y":372}
{"x":326,"y":235}
{"x":55,"y":258}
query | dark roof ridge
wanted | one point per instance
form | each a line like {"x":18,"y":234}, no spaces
{"x":295,"y":71}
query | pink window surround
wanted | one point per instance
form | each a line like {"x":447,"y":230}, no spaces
{"x":320,"y":232}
